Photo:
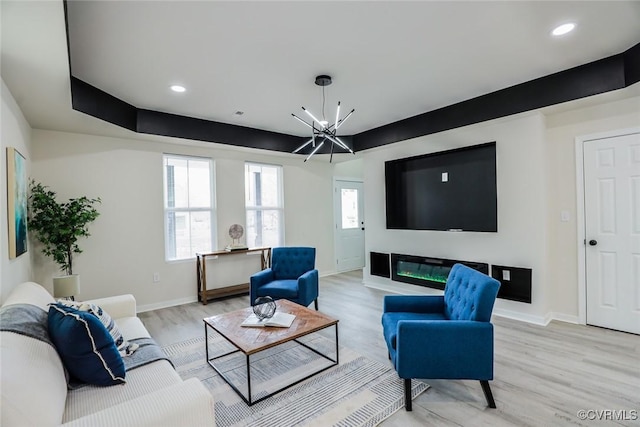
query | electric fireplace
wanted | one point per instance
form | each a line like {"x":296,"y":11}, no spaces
{"x":425,"y":271}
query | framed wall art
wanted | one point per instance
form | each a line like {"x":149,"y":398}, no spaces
{"x":16,"y":202}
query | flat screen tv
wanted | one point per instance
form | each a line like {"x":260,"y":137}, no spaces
{"x":452,"y":190}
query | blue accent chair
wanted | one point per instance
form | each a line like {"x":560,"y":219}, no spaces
{"x":292,"y":276}
{"x":446,"y":336}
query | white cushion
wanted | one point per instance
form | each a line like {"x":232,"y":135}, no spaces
{"x":34,"y":387}
{"x":140,"y":381}
{"x":117,"y":306}
{"x":30,"y":293}
{"x":132,"y":328}
{"x":185,"y":404}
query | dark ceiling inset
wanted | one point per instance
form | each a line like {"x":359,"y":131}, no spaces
{"x":616,"y":72}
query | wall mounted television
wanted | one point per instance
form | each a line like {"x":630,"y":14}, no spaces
{"x":452,"y":190}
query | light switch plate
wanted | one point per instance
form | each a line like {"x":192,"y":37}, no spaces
{"x":506,"y":275}
{"x":445,"y":176}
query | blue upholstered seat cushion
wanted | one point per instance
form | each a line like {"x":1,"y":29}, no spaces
{"x":390,"y":323}
{"x":280,"y":289}
{"x":85,"y":346}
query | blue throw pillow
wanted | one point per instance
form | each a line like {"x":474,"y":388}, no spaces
{"x":124,"y":347}
{"x":85,"y":346}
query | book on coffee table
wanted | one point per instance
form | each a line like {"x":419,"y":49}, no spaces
{"x":279,"y":320}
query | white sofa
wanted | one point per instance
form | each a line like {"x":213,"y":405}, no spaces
{"x":34,"y":387}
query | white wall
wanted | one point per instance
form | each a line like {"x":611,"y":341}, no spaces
{"x":521,"y":181}
{"x":562,"y":130}
{"x":127,"y":242}
{"x":16,"y":133}
{"x":352,"y":168}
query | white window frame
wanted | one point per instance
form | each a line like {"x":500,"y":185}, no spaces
{"x":211,"y":209}
{"x":280,"y":207}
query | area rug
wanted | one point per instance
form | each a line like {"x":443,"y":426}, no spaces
{"x":357,"y":392}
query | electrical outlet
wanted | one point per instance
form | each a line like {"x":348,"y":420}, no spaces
{"x":156,"y":277}
{"x":506,"y":275}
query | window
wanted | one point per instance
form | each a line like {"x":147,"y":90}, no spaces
{"x":189,"y":211}
{"x":349,"y":208}
{"x":264,"y":204}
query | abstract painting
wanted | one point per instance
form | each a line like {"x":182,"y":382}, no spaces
{"x":16,"y":202}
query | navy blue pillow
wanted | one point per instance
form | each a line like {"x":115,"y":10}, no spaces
{"x":85,"y":346}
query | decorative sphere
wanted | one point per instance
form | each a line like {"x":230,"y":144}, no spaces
{"x":264,"y":307}
{"x":236,"y":231}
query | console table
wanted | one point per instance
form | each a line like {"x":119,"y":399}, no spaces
{"x":205,"y":294}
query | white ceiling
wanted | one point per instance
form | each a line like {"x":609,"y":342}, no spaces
{"x":389,"y":59}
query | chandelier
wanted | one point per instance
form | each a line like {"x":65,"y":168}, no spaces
{"x":323,"y":131}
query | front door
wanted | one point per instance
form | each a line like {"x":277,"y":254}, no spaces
{"x":349,"y":219}
{"x":612,"y":230}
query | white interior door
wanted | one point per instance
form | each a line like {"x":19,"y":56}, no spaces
{"x":349,"y":219}
{"x":612,"y":230}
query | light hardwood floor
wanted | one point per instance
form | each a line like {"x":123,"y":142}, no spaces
{"x":542,"y":377}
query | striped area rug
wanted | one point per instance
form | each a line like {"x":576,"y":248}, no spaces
{"x":357,"y":392}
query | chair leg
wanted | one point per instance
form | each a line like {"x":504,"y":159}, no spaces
{"x":315,"y":302}
{"x":487,"y":393}
{"x":407,"y":394}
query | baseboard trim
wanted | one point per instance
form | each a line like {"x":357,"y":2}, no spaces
{"x":523,"y":317}
{"x":327,"y":273}
{"x":567,"y":318}
{"x":537,"y":320}
{"x":166,"y":304}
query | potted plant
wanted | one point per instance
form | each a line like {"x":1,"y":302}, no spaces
{"x":58,"y":226}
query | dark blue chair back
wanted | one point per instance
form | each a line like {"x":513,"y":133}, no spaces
{"x":469,"y":294}
{"x":290,"y":263}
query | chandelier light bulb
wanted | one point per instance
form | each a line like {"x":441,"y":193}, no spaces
{"x":313,"y":117}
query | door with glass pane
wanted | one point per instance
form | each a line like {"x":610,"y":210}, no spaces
{"x":349,"y":219}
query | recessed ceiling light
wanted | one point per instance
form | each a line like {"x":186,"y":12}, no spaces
{"x":563,"y":29}
{"x":178,"y":88}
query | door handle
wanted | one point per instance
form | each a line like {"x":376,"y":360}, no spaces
{"x":593,"y":242}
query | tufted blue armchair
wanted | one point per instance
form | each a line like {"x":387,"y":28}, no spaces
{"x":292,"y":276}
{"x":446,"y":336}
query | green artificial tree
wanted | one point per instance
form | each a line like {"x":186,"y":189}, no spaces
{"x":59,"y":225}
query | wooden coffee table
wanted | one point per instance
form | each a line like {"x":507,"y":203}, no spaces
{"x":250,"y":341}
